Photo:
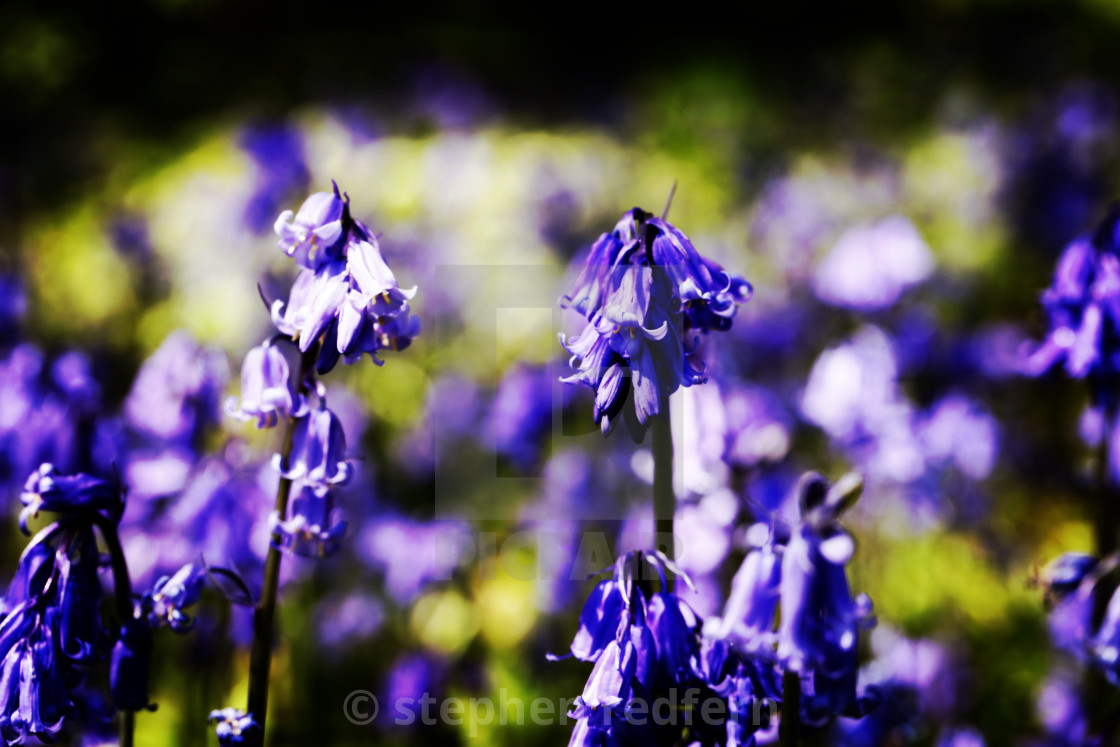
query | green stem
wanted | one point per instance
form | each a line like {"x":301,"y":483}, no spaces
{"x":264,"y":614}
{"x":791,"y":709}
{"x":664,"y":501}
{"x":122,"y":597}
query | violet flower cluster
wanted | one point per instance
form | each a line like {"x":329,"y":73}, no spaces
{"x":1068,"y":585}
{"x":345,"y":302}
{"x":1083,"y":306}
{"x":647,"y":647}
{"x":644,"y":291}
{"x":52,"y":633}
{"x":345,"y":297}
{"x":800,"y":572}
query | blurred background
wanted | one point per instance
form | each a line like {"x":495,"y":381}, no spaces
{"x":896,"y":183}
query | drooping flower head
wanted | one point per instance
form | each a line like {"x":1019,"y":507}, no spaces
{"x":643,"y":290}
{"x":1083,"y":306}
{"x":800,"y":571}
{"x":314,"y":236}
{"x":646,"y":648}
{"x":318,"y":453}
{"x":345,"y":296}
{"x":69,"y":495}
{"x":308,"y":530}
{"x":267,"y":390}
{"x":820,"y":620}
{"x":52,"y":625}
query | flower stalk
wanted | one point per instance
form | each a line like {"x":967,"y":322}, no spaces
{"x":664,"y":501}
{"x":264,"y":613}
{"x":122,"y":597}
{"x":791,"y":708}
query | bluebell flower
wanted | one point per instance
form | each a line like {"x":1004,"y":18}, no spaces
{"x":675,"y":630}
{"x":748,"y":617}
{"x":128,"y":670}
{"x":314,"y":236}
{"x":267,"y":390}
{"x":632,"y":365}
{"x":34,"y":697}
{"x":308,"y":530}
{"x":82,"y":638}
{"x":708,"y":294}
{"x":318,"y":453}
{"x":1083,"y":305}
{"x":171,"y":595}
{"x":819,"y":618}
{"x":233,"y":726}
{"x":69,"y":495}
{"x":643,"y":289}
{"x":346,"y":297}
{"x":1067,"y":583}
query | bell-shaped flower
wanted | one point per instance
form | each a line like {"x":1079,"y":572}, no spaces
{"x":635,"y":364}
{"x":267,"y":390}
{"x":313,"y":303}
{"x":167,"y":601}
{"x":1083,"y":306}
{"x":318,"y":454}
{"x":315,"y":233}
{"x":128,"y":669}
{"x":375,"y":314}
{"x":675,"y":630}
{"x":748,"y":616}
{"x":603,"y":614}
{"x":308,"y":530}
{"x":68,"y":495}
{"x":233,"y":727}
{"x":34,"y":698}
{"x":347,"y":299}
{"x":820,"y":620}
{"x":81,"y":635}
{"x":611,"y":680}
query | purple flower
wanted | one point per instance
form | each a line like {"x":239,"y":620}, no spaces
{"x":819,"y":619}
{"x":307,"y":531}
{"x":643,"y":289}
{"x":164,"y":604}
{"x":347,"y":298}
{"x":314,"y":236}
{"x":708,"y":294}
{"x":318,"y":451}
{"x":748,"y":617}
{"x":375,"y":314}
{"x":233,"y":726}
{"x":1083,"y":305}
{"x":34,"y":697}
{"x":69,"y":495}
{"x":675,"y":630}
{"x":267,"y":390}
{"x":632,"y":364}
